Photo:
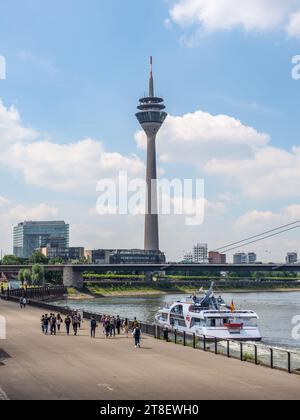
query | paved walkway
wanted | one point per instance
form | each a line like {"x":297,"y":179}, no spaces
{"x":61,"y":367}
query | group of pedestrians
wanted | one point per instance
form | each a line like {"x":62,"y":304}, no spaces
{"x":111,"y":326}
{"x":52,"y":323}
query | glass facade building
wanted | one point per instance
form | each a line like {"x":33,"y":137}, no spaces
{"x":29,"y":236}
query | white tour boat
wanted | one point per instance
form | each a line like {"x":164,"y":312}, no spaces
{"x":210,"y":317}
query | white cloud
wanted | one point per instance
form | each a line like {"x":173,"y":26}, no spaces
{"x":74,"y":166}
{"x":261,"y":221}
{"x":40,"y":212}
{"x":293,"y":27}
{"x":272,"y":173}
{"x":195,"y":137}
{"x":4,"y":201}
{"x":234,"y":153}
{"x":11,"y":129}
{"x":251,"y":15}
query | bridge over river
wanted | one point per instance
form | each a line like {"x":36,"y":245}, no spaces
{"x":72,"y":274}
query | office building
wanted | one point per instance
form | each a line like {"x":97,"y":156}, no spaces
{"x":216,"y":258}
{"x":67,"y":254}
{"x":200,"y":254}
{"x":240,"y":258}
{"x":125,"y":256}
{"x":243,"y":258}
{"x":29,"y":236}
{"x":291,"y":258}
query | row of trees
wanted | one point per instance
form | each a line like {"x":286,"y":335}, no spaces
{"x":35,"y":276}
{"x":36,"y":258}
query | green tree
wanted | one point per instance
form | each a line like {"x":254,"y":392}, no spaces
{"x":12,"y":260}
{"x":27,"y":276}
{"x":56,"y":261}
{"x":38,"y":274}
{"x":21,"y":276}
{"x":38,"y":258}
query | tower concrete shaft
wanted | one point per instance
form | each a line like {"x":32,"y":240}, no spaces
{"x":151,"y":116}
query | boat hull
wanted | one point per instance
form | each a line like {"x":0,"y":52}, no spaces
{"x":211,"y":334}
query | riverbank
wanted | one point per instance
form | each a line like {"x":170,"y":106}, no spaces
{"x":96,"y":291}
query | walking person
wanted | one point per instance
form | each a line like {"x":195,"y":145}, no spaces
{"x":42,"y":323}
{"x":113,"y":326}
{"x":134,"y":324}
{"x":93,"y":327}
{"x":126,"y":327}
{"x":68,"y":322}
{"x":137,"y":337}
{"x":58,"y":322}
{"x":79,"y":319}
{"x":21,"y":302}
{"x":118,"y":325}
{"x":75,"y":324}
{"x":24,"y":302}
{"x":107,"y":328}
{"x":53,"y":324}
{"x":46,"y":324}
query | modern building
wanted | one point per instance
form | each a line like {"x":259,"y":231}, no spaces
{"x":200,"y":254}
{"x":98,"y":256}
{"x":291,"y":258}
{"x":67,"y":254}
{"x":252,"y":258}
{"x":29,"y":236}
{"x":243,"y":258}
{"x":188,"y":258}
{"x":125,"y":256}
{"x":240,"y":258}
{"x":216,"y":258}
{"x":151,"y":116}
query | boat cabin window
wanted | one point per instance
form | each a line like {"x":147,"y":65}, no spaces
{"x":163,"y":316}
{"x":177,"y":310}
{"x":196,"y":322}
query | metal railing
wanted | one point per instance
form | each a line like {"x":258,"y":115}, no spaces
{"x":35,"y":293}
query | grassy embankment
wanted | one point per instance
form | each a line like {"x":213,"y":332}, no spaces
{"x":95,"y":287}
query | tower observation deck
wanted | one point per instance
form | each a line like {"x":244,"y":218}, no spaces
{"x":151,"y":116}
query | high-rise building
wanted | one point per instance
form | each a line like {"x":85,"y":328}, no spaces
{"x":200,"y":255}
{"x":29,"y":236}
{"x":151,"y":116}
{"x":251,"y":258}
{"x":216,"y":258}
{"x":291,"y":258}
{"x":188,"y":258}
{"x":240,"y":258}
{"x":243,"y":258}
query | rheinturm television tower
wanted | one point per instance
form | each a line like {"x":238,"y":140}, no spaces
{"x":151,"y":116}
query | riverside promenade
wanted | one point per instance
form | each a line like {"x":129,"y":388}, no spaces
{"x":60,"y":367}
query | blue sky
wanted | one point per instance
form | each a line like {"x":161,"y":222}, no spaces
{"x":75,"y":70}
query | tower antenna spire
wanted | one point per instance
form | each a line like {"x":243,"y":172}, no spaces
{"x":151,"y":82}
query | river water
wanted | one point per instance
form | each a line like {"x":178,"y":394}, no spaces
{"x":276,"y":311}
